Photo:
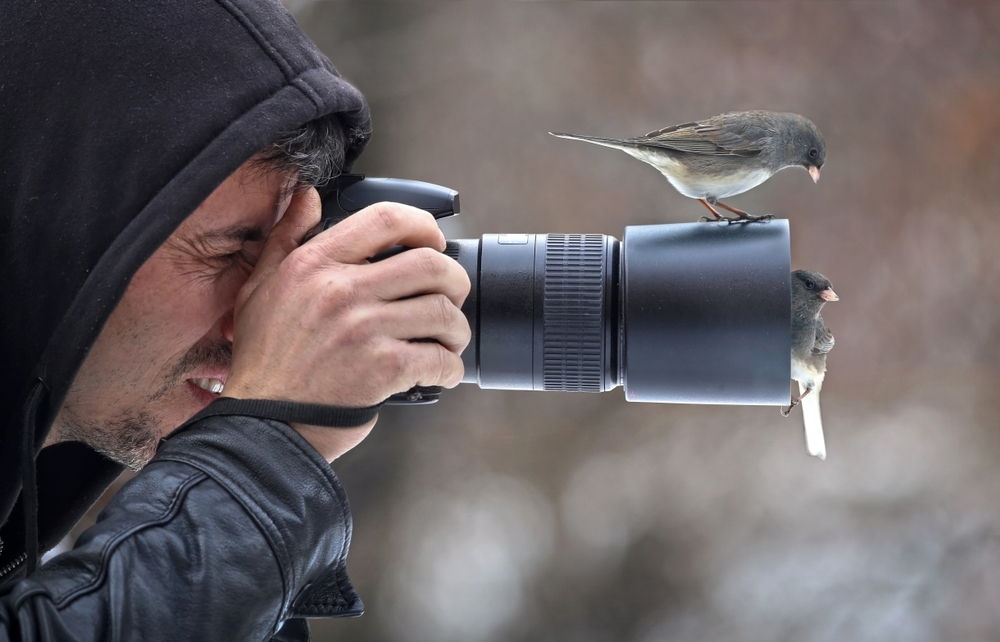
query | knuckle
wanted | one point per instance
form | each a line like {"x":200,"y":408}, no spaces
{"x":396,"y":365}
{"x":386,"y":216}
{"x":463,"y":279}
{"x":464,"y":332}
{"x":429,"y":261}
{"x":442,"y":310}
{"x":392,"y":217}
{"x":300,"y":263}
{"x":443,"y":367}
{"x":340,"y":292}
{"x":447,"y":368}
{"x":455,"y":373}
{"x":429,"y":365}
{"x":355,"y":327}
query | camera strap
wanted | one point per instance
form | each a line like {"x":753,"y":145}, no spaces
{"x":290,"y":411}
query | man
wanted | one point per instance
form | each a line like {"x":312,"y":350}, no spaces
{"x":154,"y":191}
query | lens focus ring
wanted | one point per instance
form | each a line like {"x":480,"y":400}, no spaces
{"x":573,"y":334}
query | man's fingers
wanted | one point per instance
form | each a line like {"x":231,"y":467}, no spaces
{"x":375,"y":229}
{"x":428,"y":364}
{"x":441,"y":367}
{"x":426,"y":317}
{"x":415,"y":272}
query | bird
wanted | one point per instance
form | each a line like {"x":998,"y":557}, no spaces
{"x":725,"y":155}
{"x":811,"y":342}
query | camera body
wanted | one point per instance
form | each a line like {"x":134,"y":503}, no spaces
{"x":682,"y":313}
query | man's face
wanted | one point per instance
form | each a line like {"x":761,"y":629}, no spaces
{"x":164,"y":353}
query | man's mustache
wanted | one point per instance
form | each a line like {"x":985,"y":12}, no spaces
{"x":214,"y":354}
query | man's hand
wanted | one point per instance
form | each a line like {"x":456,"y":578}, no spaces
{"x":317,"y":323}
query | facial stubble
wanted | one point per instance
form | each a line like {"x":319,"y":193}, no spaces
{"x":132,"y":436}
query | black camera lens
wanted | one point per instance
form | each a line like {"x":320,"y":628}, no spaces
{"x":543,"y":310}
{"x":688,"y":313}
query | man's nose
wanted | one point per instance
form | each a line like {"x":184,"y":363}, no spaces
{"x":228,"y":325}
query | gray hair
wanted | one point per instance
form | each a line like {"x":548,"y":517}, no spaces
{"x":314,"y":152}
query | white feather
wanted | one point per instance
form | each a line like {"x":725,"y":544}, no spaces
{"x":813,"y":420}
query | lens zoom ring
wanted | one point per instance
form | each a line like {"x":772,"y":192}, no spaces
{"x":573,"y":337}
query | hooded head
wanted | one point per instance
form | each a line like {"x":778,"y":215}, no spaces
{"x":120,"y":118}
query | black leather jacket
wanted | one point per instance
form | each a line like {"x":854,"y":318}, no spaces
{"x":235,"y":526}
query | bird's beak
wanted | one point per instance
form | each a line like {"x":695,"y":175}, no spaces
{"x":829,"y":295}
{"x":814,"y":172}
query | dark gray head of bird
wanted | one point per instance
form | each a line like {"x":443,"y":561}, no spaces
{"x":806,"y":146}
{"x":811,"y":290}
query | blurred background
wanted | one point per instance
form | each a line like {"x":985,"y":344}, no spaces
{"x":563,"y":516}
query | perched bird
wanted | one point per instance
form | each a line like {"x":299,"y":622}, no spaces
{"x":811,"y":341}
{"x":725,"y":155}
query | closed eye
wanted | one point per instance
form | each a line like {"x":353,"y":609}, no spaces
{"x":246,"y":256}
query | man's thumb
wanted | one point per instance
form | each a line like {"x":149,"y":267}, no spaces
{"x":303,"y":213}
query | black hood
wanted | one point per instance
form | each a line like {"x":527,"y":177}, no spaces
{"x":118,"y":118}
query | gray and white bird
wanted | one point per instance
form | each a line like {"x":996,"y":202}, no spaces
{"x":811,"y":341}
{"x":726,"y":154}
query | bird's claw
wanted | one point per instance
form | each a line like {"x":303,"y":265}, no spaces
{"x":787,"y":411}
{"x":749,"y":218}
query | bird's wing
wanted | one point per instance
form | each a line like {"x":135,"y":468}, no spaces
{"x":824,"y":338}
{"x":707,"y":137}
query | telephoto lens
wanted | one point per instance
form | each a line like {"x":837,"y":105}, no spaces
{"x":682,"y":313}
{"x":685,"y":313}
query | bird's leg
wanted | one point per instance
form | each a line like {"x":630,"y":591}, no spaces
{"x":787,"y":411}
{"x":741,"y":215}
{"x":718,"y":217}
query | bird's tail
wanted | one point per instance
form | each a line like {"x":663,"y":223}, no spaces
{"x":813,"y":421}
{"x":597,"y":140}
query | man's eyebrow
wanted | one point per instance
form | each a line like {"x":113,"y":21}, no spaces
{"x":233,"y":234}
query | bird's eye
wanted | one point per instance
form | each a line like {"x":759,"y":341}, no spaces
{"x":813,"y":153}
{"x":810,"y":285}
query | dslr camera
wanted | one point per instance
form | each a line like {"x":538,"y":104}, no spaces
{"x":682,"y":313}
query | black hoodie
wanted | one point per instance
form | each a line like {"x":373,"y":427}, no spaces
{"x":117,"y":118}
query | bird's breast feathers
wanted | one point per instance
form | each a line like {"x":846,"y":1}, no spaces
{"x":726,"y":177}
{"x":807,"y":374}
{"x":737,"y":182}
